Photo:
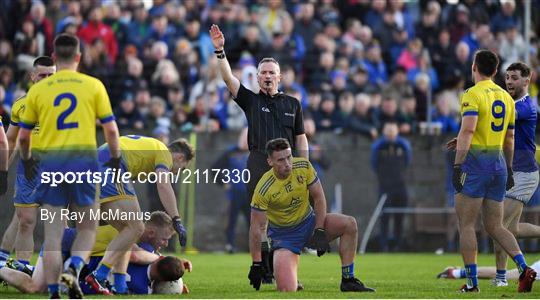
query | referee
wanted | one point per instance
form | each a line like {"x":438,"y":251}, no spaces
{"x":270,"y":113}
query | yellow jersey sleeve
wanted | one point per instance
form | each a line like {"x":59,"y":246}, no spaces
{"x":29,"y":116}
{"x":311,"y":174}
{"x":469,"y":104}
{"x":261,"y":196}
{"x":163,"y":157}
{"x":16,"y":111}
{"x":103,"y":104}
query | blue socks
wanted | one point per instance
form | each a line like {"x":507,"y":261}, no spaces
{"x":4,"y":256}
{"x":120,"y":285}
{"x":53,"y":289}
{"x":347,"y":271}
{"x":102,"y":272}
{"x":501,"y":275}
{"x":472,"y":275}
{"x":520,"y":262}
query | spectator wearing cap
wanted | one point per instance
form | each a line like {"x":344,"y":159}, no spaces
{"x":398,"y":85}
{"x":138,"y":27}
{"x":362,"y":119}
{"x":126,"y":114}
{"x":327,"y":118}
{"x":505,"y":18}
{"x":95,"y":29}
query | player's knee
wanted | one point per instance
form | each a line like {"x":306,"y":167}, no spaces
{"x":26,"y":223}
{"x":352,"y":226}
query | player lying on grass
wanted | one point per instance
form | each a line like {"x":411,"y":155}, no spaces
{"x":282,"y":199}
{"x":485,"y":272}
{"x":144,"y":266}
{"x":139,"y":155}
{"x":157,"y":233}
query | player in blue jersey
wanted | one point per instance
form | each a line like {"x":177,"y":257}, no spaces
{"x":483,"y":168}
{"x":524,"y":164}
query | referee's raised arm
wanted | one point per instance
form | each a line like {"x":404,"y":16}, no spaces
{"x":218,"y":40}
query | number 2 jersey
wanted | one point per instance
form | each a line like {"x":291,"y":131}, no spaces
{"x":496,"y":114}
{"x":66,"y":106}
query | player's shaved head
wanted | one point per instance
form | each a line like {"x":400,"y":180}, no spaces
{"x":44,"y":61}
{"x":66,"y":47}
{"x":486,"y":62}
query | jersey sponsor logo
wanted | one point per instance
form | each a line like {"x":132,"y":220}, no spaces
{"x":275,"y":195}
{"x":295,"y":201}
{"x":265,"y":109}
{"x":301,"y":179}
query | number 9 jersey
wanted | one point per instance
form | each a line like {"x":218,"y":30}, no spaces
{"x":66,"y":106}
{"x":495,"y":109}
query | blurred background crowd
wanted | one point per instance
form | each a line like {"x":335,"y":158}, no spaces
{"x":353,"y":64}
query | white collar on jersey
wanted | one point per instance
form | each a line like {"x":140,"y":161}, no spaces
{"x":523,"y":98}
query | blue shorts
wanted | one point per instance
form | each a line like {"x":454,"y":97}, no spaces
{"x":491,"y":187}
{"x":25,"y":191}
{"x":111,"y":191}
{"x":81,"y":194}
{"x":67,"y":241}
{"x":292,"y":238}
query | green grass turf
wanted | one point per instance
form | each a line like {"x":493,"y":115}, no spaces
{"x":393,"y":275}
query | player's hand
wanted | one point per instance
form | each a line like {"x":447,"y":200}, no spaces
{"x":218,"y":39}
{"x":188,"y":266}
{"x":181,"y":230}
{"x":319,"y":242}
{"x":255,"y":275}
{"x":3,"y":182}
{"x":451,"y":144}
{"x":113,"y":163}
{"x":509,"y":179}
{"x":30,"y":168}
{"x":457,"y":173}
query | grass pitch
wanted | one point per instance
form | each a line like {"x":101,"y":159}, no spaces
{"x":393,"y":275}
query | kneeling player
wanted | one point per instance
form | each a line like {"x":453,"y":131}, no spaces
{"x":139,"y":155}
{"x":282,"y":198}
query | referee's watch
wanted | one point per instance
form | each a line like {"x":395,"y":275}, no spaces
{"x":220,"y":54}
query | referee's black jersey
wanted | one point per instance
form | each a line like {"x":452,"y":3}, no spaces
{"x":270,"y":117}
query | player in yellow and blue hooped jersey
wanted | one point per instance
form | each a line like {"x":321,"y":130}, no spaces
{"x":19,"y":234}
{"x":282,"y":199}
{"x":482,"y":168}
{"x":66,"y":106}
{"x":139,"y":155}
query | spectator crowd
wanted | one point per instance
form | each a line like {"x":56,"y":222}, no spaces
{"x":354,"y":65}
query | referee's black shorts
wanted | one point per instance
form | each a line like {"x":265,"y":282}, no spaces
{"x":257,"y":165}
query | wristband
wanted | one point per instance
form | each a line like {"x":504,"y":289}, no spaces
{"x":220,"y":55}
{"x":219,"y":51}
